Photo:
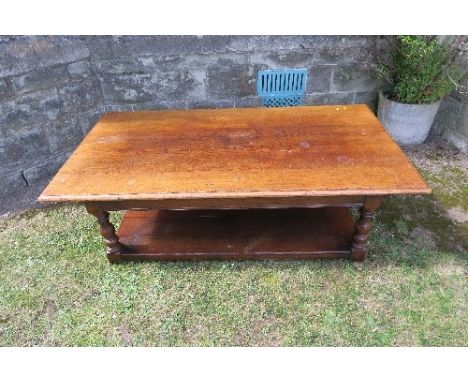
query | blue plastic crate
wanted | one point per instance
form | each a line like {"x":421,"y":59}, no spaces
{"x":281,"y":87}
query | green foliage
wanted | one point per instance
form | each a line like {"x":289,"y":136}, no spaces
{"x":420,"y":69}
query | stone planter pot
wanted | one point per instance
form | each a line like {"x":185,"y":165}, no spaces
{"x":406,"y":123}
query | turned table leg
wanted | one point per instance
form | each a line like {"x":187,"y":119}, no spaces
{"x":362,"y":228}
{"x":114,"y":248}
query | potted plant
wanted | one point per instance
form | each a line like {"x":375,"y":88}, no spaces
{"x":419,"y":71}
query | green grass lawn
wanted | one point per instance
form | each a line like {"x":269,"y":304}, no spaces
{"x":57,"y":288}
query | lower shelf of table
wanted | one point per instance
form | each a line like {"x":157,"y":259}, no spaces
{"x":296,"y":233}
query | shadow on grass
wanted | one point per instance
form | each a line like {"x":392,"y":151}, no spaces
{"x":415,"y":230}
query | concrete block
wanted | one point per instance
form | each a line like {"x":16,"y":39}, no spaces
{"x":125,"y":66}
{"x":22,"y":149}
{"x":149,"y":64}
{"x":38,"y":79}
{"x":268,"y":43}
{"x":460,"y":141}
{"x":225,"y":79}
{"x":99,"y":47}
{"x":46,"y":51}
{"x":233,"y":57}
{"x":64,"y":134}
{"x":177,"y":85}
{"x":344,"y":98}
{"x":160,"y":85}
{"x":16,"y":56}
{"x":12,"y":187}
{"x":125,"y":46}
{"x":44,"y":171}
{"x":352,"y":77}
{"x":339,"y":55}
{"x":81,"y":96}
{"x":275,"y":43}
{"x":127,"y":88}
{"x":341,"y":42}
{"x":37,"y":174}
{"x":72,"y":48}
{"x":172,"y":62}
{"x":282,"y":59}
{"x":79,"y":70}
{"x":352,"y":41}
{"x":25,"y":112}
{"x":16,"y":195}
{"x":5,"y":89}
{"x":319,"y":79}
{"x":203,"y":60}
{"x":24,"y":53}
{"x":254,"y":101}
{"x":209,"y":103}
{"x":451,"y":120}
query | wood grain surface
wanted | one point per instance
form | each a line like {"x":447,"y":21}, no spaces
{"x":235,"y":153}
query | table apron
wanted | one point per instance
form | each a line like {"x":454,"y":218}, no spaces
{"x":232,"y":203}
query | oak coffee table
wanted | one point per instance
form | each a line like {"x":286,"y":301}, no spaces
{"x":251,"y":183}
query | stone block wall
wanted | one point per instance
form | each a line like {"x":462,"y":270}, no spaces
{"x":54,"y":88}
{"x":451,"y":122}
{"x":49,"y":97}
{"x":220,"y":71}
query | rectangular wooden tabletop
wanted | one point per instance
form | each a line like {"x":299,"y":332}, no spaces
{"x":235,"y":153}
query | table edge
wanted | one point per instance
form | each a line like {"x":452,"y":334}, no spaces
{"x":229,"y":195}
